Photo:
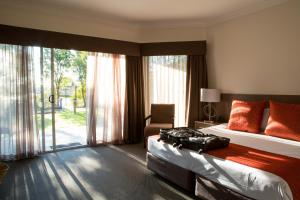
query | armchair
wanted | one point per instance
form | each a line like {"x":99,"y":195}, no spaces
{"x":162,"y":116}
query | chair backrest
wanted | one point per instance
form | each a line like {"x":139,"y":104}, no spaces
{"x":162,"y":113}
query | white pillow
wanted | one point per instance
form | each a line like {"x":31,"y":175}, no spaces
{"x":265,"y":118}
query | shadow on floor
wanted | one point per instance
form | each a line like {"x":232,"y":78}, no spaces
{"x":103,"y":172}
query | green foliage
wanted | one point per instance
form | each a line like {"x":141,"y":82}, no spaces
{"x":80,"y":96}
{"x":80,"y":63}
{"x":78,"y":118}
{"x":67,"y":117}
{"x":66,"y":81}
{"x":64,"y":61}
{"x":47,"y":62}
{"x":80,"y":66}
{"x":47,"y":121}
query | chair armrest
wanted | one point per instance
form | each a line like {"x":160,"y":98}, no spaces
{"x":173,"y":122}
{"x":148,"y":117}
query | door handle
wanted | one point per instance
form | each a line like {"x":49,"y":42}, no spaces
{"x":51,"y":98}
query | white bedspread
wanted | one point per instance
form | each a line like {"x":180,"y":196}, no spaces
{"x":251,"y":182}
{"x":258,"y":141}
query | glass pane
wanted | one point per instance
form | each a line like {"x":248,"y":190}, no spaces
{"x":166,"y":80}
{"x":47,"y":95}
{"x":70,"y":97}
{"x":18,"y":87}
{"x":43,"y":88}
{"x":111,"y":75}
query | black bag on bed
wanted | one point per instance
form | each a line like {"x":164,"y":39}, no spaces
{"x":175,"y":135}
{"x":204,"y":143}
{"x":192,"y":139}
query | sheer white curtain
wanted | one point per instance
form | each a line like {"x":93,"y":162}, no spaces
{"x":106,"y":95}
{"x":18,"y":119}
{"x":165,"y":82}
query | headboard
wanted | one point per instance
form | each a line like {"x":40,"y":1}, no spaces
{"x":224,"y":107}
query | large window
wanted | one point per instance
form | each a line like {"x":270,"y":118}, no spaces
{"x":43,"y":99}
{"x":18,"y":116}
{"x":165,"y":82}
{"x":106,"y":95}
{"x":61,"y":97}
{"x":44,"y":102}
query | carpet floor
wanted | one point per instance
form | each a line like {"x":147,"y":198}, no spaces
{"x":103,"y":172}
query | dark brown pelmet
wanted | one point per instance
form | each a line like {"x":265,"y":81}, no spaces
{"x":34,"y":37}
{"x":50,"y":39}
{"x":173,"y":48}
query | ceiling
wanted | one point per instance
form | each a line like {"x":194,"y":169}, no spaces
{"x":159,"y":12}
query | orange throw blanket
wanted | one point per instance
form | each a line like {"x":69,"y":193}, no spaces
{"x":287,"y":168}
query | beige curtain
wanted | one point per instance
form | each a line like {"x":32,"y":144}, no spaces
{"x":19,"y":136}
{"x":165,"y":82}
{"x":106,"y":94}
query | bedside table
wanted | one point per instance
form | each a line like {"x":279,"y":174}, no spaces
{"x":202,"y":124}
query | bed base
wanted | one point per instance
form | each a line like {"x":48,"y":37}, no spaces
{"x":180,"y":176}
{"x":200,"y":186}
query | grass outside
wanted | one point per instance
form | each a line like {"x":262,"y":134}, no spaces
{"x":68,"y":116}
{"x":78,"y":118}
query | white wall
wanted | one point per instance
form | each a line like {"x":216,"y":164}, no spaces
{"x":164,"y":34}
{"x":258,"y":53}
{"x":62,"y":20}
{"x":253,"y":54}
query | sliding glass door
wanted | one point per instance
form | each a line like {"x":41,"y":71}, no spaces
{"x":69,"y":85}
{"x":61,"y":98}
{"x":43,"y":99}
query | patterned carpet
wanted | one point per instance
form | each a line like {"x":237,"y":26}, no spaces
{"x":103,"y":172}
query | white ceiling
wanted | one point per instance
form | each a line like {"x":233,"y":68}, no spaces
{"x":158,"y":12}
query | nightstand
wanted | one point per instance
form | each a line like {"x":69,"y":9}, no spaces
{"x":202,"y":124}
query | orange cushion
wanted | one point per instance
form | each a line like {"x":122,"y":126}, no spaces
{"x":284,"y":121}
{"x":246,"y":116}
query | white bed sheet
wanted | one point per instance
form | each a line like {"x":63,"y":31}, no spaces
{"x":258,"y":141}
{"x":254,"y":183}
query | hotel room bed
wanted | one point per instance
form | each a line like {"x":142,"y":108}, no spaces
{"x":243,"y":179}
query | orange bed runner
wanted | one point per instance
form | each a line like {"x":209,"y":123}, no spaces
{"x":287,"y":168}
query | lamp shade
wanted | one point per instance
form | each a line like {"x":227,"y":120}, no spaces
{"x":210,"y":95}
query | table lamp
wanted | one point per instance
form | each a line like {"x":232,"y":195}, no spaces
{"x":210,"y":96}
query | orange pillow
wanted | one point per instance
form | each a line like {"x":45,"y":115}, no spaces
{"x":284,"y":121}
{"x":246,"y":116}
